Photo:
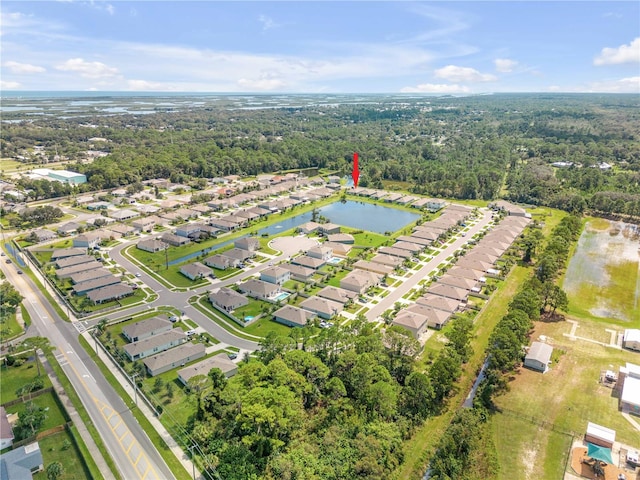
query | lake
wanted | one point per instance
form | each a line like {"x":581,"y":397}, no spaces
{"x":354,"y":214}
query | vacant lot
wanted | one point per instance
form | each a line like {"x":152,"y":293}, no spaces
{"x":542,"y":413}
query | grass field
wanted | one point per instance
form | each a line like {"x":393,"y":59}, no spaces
{"x":543,"y":412}
{"x":54,"y":414}
{"x":53,"y":451}
{"x":265,"y":325}
{"x":12,"y":378}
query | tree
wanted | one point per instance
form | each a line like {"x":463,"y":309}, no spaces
{"x":54,"y":471}
{"x":30,"y":421}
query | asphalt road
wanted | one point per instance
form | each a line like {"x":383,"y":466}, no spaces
{"x":130,"y":448}
{"x":408,"y":283}
{"x":180,"y":300}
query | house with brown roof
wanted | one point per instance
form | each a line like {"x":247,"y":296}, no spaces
{"x":322,"y":252}
{"x":221,"y":262}
{"x":174,"y":240}
{"x":388,"y":260}
{"x":341,"y":238}
{"x":339,"y":249}
{"x":439,"y":302}
{"x":145,"y":224}
{"x":373,"y":267}
{"x":247,"y":243}
{"x":329,"y":228}
{"x":412,"y":321}
{"x":308,"y":262}
{"x":448,"y":291}
{"x":459,"y":282}
{"x":435,"y":318}
{"x":298,"y":272}
{"x":152,"y":245}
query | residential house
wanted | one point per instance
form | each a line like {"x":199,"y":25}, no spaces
{"x":322,"y":307}
{"x":396,"y":252}
{"x":260,"y":290}
{"x":195,"y":271}
{"x":83,"y":288}
{"x":341,"y":238}
{"x":111,"y":292}
{"x":122,"y":230}
{"x":188,"y":230}
{"x":68,"y":228}
{"x":21,"y":462}
{"x":539,"y":356}
{"x":220,"y":361}
{"x":275,"y":274}
{"x":360,"y":281}
{"x":71,"y":261}
{"x":247,"y":243}
{"x":174,"y":357}
{"x":6,"y":432}
{"x":435,"y":318}
{"x":329,"y":228}
{"x":339,"y":249}
{"x":239,"y":254}
{"x":81,"y":267}
{"x":292,"y":316}
{"x":152,"y":245}
{"x":92,"y":274}
{"x":308,"y":262}
{"x":43,"y":235}
{"x":387,"y":260}
{"x":298,"y":272}
{"x":448,"y":291}
{"x":414,"y":248}
{"x":459,"y":282}
{"x":336,"y":294}
{"x":412,"y":321}
{"x":124,"y":214}
{"x":87,"y":240}
{"x":373,"y":267}
{"x":145,"y":224}
{"x":174,"y":240}
{"x":221,"y":262}
{"x":156,"y":344}
{"x":323,"y":253}
{"x":227,"y":299}
{"x":146,"y":328}
{"x":439,"y":302}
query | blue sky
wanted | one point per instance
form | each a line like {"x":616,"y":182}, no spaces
{"x":329,"y":46}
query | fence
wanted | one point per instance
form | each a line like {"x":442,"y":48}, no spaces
{"x":29,"y":396}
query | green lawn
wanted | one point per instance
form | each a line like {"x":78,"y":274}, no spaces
{"x":9,"y":327}
{"x":335,"y":281}
{"x":12,"y":378}
{"x":265,"y":325}
{"x":54,"y":414}
{"x":252,"y":309}
{"x":368,"y":239}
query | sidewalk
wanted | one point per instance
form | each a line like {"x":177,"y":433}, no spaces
{"x":77,"y":421}
{"x":148,"y":413}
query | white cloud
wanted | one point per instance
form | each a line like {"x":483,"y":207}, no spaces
{"x":436,"y":88}
{"x":267,"y":22}
{"x":505,"y":65}
{"x":19,"y":68}
{"x":5,"y":85}
{"x":144,"y":85}
{"x":261,"y":84}
{"x":623,"y":54}
{"x":623,"y":85}
{"x":454,"y":73}
{"x":88,"y":69}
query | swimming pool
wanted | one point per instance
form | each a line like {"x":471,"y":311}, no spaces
{"x":282,"y":296}
{"x":334,"y":260}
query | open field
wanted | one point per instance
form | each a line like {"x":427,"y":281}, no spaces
{"x":543,"y":412}
{"x":53,"y":451}
{"x":15,"y":377}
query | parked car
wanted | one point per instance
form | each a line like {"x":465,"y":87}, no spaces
{"x":173,"y":319}
{"x":19,"y":272}
{"x":232,"y":356}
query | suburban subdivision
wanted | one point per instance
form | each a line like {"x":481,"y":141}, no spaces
{"x":243,"y":320}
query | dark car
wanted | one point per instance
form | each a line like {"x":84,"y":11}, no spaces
{"x":8,"y":260}
{"x":19,"y":272}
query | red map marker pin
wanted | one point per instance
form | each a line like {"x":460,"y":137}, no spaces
{"x":355,"y":174}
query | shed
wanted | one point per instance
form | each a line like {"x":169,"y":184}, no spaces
{"x":538,"y":357}
{"x":631,"y":339}
{"x":599,"y":435}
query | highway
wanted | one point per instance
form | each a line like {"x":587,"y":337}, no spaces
{"x":130,"y":448}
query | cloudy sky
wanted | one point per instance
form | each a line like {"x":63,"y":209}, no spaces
{"x":324,"y":46}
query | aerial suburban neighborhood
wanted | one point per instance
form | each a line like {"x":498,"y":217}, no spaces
{"x":319,"y":287}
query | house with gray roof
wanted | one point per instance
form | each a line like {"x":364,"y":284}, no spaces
{"x":439,"y":302}
{"x":260,"y":290}
{"x":292,"y":316}
{"x":388,"y":260}
{"x":329,"y":228}
{"x":412,"y":247}
{"x":83,"y":288}
{"x":42,"y":235}
{"x":155,"y":344}
{"x":448,"y":291}
{"x":360,"y":281}
{"x":275,"y":274}
{"x":322,"y":252}
{"x":538,"y":357}
{"x":66,"y":272}
{"x":412,"y":321}
{"x":71,"y":261}
{"x":146,"y":328}
{"x":88,"y":240}
{"x":111,"y":292}
{"x":174,"y":240}
{"x":145,"y":224}
{"x":396,"y":252}
{"x":21,"y":462}
{"x":373,"y":267}
{"x":239,"y":254}
{"x":152,"y":245}
{"x":423,"y":242}
{"x":124,"y":214}
{"x":220,"y":361}
{"x":460,"y":282}
{"x":195,"y":271}
{"x":6,"y":432}
{"x":228,"y":299}
{"x":435,"y":318}
{"x":90,"y":275}
{"x":247,"y":243}
{"x":298,"y":272}
{"x":341,"y":238}
{"x":339,"y":249}
{"x":466,"y":273}
{"x":221,"y":262}
{"x":309,"y":227}
{"x":308,"y":262}
{"x":322,"y":307}
{"x":173,"y":358}
{"x":336,"y":294}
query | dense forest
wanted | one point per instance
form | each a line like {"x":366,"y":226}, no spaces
{"x":338,"y":405}
{"x":470,"y":147}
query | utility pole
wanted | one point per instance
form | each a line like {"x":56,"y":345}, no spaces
{"x":135,"y":388}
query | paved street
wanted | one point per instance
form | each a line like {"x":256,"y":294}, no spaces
{"x":127,"y":443}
